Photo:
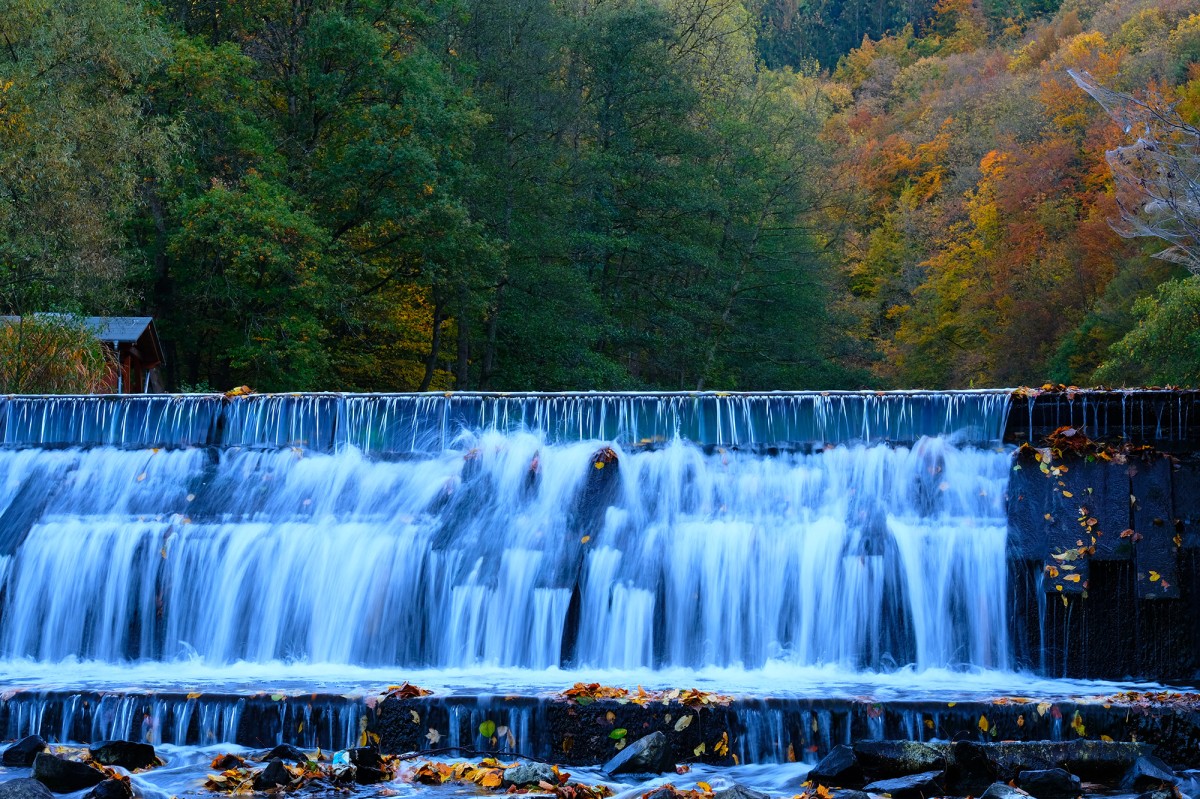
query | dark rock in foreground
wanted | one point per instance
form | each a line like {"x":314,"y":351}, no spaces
{"x":899,"y":758}
{"x":838,"y":769}
{"x":287,"y":753}
{"x":647,"y":755}
{"x":912,"y":786}
{"x":24,"y":788}
{"x":969,"y":769}
{"x":1053,"y":783}
{"x":126,"y":754}
{"x":273,"y":776}
{"x":1147,"y":773}
{"x":736,"y":791}
{"x":529,"y":773}
{"x":24,"y":751}
{"x":1002,"y":790}
{"x":65,"y":776}
{"x":111,"y":789}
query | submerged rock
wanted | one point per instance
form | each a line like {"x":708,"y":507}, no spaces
{"x":287,"y":753}
{"x":737,"y":791}
{"x":126,"y":754}
{"x":369,"y":775}
{"x":65,"y":776}
{"x":1053,"y":783}
{"x":647,"y":755}
{"x":883,"y":759}
{"x":838,"y":769}
{"x":912,"y":786}
{"x":111,"y":789}
{"x":1002,"y":790}
{"x":529,"y":773}
{"x":274,"y":775}
{"x":24,"y":751}
{"x":24,"y":788}
{"x":969,"y":769}
{"x":1147,"y":773}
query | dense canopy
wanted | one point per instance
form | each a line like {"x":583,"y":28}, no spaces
{"x":520,"y":194}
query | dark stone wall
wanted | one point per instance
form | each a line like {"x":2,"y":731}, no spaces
{"x":1103,"y":559}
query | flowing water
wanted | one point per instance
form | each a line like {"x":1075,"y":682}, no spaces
{"x":773,"y":544}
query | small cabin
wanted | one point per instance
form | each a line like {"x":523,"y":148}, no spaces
{"x":135,"y":343}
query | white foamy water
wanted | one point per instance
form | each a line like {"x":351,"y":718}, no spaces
{"x":509,"y":551}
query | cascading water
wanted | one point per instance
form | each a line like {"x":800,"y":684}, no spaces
{"x":857,"y":530}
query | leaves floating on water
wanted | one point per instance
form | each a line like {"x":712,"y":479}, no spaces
{"x":489,"y":773}
{"x":405,"y":690}
{"x":586,"y":693}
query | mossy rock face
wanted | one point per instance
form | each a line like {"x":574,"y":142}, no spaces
{"x":887,"y":759}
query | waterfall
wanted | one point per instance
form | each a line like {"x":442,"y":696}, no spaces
{"x":856,"y":530}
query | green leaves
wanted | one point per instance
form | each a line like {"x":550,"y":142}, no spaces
{"x":487,"y":728}
{"x":618,"y":733}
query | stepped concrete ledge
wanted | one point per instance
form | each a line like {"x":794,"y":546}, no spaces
{"x":551,"y":727}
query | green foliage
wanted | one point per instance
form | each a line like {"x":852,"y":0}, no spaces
{"x":52,"y":354}
{"x":1164,"y":347}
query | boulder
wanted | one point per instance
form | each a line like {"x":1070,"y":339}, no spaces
{"x":851,"y":795}
{"x":885,"y":759}
{"x":647,"y":755}
{"x":838,"y":769}
{"x":911,"y":786}
{"x":273,"y":775}
{"x":367,"y":756}
{"x":1097,"y":761}
{"x":65,"y":776}
{"x":969,"y":769}
{"x":736,"y":791}
{"x":24,"y":788}
{"x":369,"y":775}
{"x":1002,"y":790}
{"x":24,"y":751}
{"x":529,"y":772}
{"x":111,"y":789}
{"x":126,"y":754}
{"x":1147,"y":773}
{"x":286,"y":753}
{"x":1051,"y":783}
{"x":1159,"y":793}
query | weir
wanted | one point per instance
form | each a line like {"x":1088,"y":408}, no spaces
{"x":734,"y":537}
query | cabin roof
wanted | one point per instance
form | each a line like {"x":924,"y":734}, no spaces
{"x":137,"y":331}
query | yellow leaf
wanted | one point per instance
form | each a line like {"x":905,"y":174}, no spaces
{"x":704,"y":786}
{"x":983,"y":724}
{"x":1106,"y":738}
{"x":699,"y":750}
{"x":585,"y":539}
{"x":1043,"y":708}
{"x":1154,"y":575}
{"x":1068,"y":494}
{"x":683,"y":723}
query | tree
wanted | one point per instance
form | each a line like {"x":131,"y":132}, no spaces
{"x":1157,"y":175}
{"x":52,"y":354}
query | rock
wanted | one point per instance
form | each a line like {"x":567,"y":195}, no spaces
{"x":664,"y":792}
{"x":851,"y":795}
{"x":838,"y":769}
{"x":1147,"y":773}
{"x":126,"y":754}
{"x":1002,"y":790}
{"x":24,"y":751}
{"x":1098,"y":761}
{"x":1051,"y":783}
{"x":969,"y":770}
{"x":736,"y":791}
{"x":111,"y":789}
{"x":367,"y":756}
{"x":369,"y":775}
{"x":24,"y":788}
{"x":287,"y":753}
{"x":529,"y":773}
{"x":647,"y":755}
{"x":273,"y":775}
{"x":885,"y":759}
{"x":912,"y":786}
{"x":1159,"y":793}
{"x":64,"y":776}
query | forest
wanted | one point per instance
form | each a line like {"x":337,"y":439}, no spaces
{"x":399,"y":195}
